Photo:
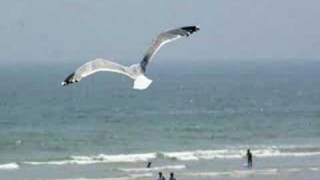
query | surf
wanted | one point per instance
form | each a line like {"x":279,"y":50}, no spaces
{"x":9,"y":166}
{"x":196,"y":155}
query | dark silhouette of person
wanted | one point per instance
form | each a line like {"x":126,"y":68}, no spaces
{"x":172,"y":176}
{"x":149,"y":164}
{"x":161,"y":177}
{"x":249,"y":157}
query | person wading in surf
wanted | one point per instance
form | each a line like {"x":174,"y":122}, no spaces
{"x":249,"y":158}
{"x":172,"y":176}
{"x":161,"y":177}
{"x":149,"y":164}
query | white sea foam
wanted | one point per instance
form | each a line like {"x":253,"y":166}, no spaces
{"x":83,"y":178}
{"x":208,"y":174}
{"x":141,"y":175}
{"x":204,"y":154}
{"x":159,"y":168}
{"x":182,"y":156}
{"x":9,"y":166}
{"x":63,"y":162}
{"x":238,"y":154}
{"x":314,"y":169}
{"x":299,"y":154}
{"x":130,"y":177}
{"x":117,"y":158}
{"x":101,"y":158}
{"x":293,"y":170}
{"x":235,"y":173}
{"x":231,"y":153}
{"x":267,"y":171}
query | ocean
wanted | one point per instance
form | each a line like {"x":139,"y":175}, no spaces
{"x":197,"y":119}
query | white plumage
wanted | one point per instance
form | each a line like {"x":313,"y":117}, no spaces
{"x":135,"y":71}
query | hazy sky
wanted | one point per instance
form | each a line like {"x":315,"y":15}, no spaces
{"x":80,"y":30}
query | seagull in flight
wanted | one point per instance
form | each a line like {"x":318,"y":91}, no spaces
{"x":135,"y":71}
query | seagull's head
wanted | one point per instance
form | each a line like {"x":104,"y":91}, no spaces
{"x":136,"y":69}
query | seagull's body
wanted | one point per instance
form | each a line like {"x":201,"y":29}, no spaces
{"x":135,"y":71}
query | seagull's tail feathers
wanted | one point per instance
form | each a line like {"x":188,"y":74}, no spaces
{"x":69,"y":80}
{"x":141,"y":82}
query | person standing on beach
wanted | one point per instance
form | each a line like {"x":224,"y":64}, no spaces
{"x":172,"y":176}
{"x":249,"y":157}
{"x":161,"y":177}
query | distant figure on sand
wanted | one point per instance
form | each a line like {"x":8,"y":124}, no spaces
{"x":149,"y":164}
{"x":161,"y":177}
{"x":172,"y":176}
{"x":249,"y":157}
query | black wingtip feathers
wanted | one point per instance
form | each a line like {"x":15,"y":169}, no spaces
{"x":191,"y":29}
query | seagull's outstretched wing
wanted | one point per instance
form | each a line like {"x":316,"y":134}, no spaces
{"x":92,"y":67}
{"x":164,"y":38}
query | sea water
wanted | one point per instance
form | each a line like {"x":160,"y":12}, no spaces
{"x":196,"y":119}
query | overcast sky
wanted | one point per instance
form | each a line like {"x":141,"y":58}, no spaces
{"x":80,"y":30}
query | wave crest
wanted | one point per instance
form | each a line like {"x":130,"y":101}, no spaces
{"x":9,"y":166}
{"x":232,"y":153}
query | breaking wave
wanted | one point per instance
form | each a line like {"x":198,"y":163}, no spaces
{"x":9,"y":166}
{"x":264,"y":152}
